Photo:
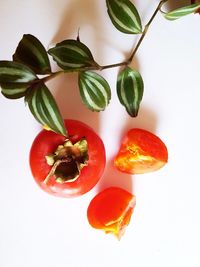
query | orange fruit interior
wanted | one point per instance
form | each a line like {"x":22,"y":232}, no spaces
{"x":141,"y":152}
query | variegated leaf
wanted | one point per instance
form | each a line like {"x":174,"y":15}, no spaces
{"x":94,"y":90}
{"x":14,"y":72}
{"x":14,"y":90}
{"x":72,"y":55}
{"x":124,"y":16}
{"x":183,"y":11}
{"x":44,"y":108}
{"x":15,"y":78}
{"x":130,"y":89}
{"x":32,"y":53}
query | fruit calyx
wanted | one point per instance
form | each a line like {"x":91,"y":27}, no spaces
{"x":67,"y":161}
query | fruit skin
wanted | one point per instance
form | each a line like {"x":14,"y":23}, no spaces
{"x":111,"y":210}
{"x":46,"y":143}
{"x":141,"y":151}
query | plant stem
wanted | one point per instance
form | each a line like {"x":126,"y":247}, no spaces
{"x":146,"y":30}
{"x":124,"y":63}
{"x":51,"y":76}
{"x":127,"y":62}
{"x":114,"y":65}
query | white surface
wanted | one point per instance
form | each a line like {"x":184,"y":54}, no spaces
{"x":38,"y":230}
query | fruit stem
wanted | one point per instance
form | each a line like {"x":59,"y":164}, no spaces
{"x":75,"y":157}
{"x":52,"y":171}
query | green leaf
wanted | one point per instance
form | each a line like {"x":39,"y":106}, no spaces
{"x":124,"y":16}
{"x":130,"y":89}
{"x":32,"y":53}
{"x":94,"y":90}
{"x":183,"y":11}
{"x":14,"y":72}
{"x":44,"y":108}
{"x":15,"y":79}
{"x":14,"y":90}
{"x":72,"y":55}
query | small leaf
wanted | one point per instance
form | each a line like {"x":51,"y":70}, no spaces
{"x":14,"y":72}
{"x":72,"y":55}
{"x":14,"y":90}
{"x":124,"y":16}
{"x":183,"y":11}
{"x":32,"y":53}
{"x":94,"y":90}
{"x":44,"y":108}
{"x":130,"y":89}
{"x":15,"y":79}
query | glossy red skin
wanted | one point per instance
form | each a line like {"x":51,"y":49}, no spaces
{"x":46,"y":143}
{"x":108,"y":206}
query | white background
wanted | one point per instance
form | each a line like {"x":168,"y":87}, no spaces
{"x":39,"y":230}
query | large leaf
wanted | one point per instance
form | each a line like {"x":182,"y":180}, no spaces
{"x":32,"y":53}
{"x":94,"y":90}
{"x":124,"y":16}
{"x":130,"y":89}
{"x":72,"y":55}
{"x":44,"y":108}
{"x":183,"y":11}
{"x":14,"y":72}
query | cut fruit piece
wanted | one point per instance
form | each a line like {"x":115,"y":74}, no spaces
{"x":140,"y":152}
{"x":111,"y":210}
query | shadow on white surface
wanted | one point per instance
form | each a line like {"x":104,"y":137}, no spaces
{"x":146,"y":119}
{"x":113,"y":177}
{"x":79,"y":13}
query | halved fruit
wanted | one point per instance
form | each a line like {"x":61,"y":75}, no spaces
{"x":140,"y":152}
{"x":111,"y":210}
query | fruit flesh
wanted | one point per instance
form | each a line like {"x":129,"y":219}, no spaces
{"x":141,"y":152}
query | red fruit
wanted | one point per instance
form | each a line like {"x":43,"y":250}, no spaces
{"x":71,"y":167}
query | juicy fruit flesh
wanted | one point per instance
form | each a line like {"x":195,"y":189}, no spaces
{"x":141,"y":152}
{"x":135,"y":161}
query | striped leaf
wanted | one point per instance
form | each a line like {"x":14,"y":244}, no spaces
{"x":44,"y":108}
{"x":130,"y":89}
{"x":14,"y":72}
{"x":94,"y":90}
{"x":124,"y":16}
{"x":180,"y":12}
{"x":32,"y":53}
{"x":14,"y":90}
{"x":72,"y":55}
{"x":15,"y":78}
